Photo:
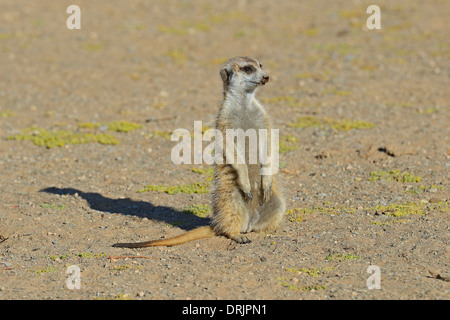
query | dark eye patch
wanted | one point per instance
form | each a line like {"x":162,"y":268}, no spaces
{"x":248,"y":69}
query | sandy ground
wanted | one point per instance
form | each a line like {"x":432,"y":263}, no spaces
{"x":375,"y":196}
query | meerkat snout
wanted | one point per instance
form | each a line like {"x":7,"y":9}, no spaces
{"x":263,"y":76}
{"x":265,"y":79}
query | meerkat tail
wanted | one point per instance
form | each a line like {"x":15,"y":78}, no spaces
{"x":196,"y":234}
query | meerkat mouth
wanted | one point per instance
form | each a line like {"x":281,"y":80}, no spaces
{"x":260,"y":83}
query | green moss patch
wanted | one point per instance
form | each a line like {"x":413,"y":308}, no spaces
{"x":58,"y":258}
{"x":313,"y":272}
{"x":341,"y":125}
{"x":178,"y":56}
{"x":422,"y":189}
{"x":89,"y":125}
{"x":52,"y":205}
{"x":306,"y":121}
{"x":117,"y":126}
{"x":208,"y":171}
{"x":198,"y":187}
{"x":91,"y":255}
{"x":346,"y":125}
{"x":49,"y":269}
{"x":60,"y":138}
{"x":393,"y":210}
{"x":427,"y":110}
{"x":166,"y":135}
{"x":341,"y":257}
{"x":172,"y":30}
{"x":291,"y":286}
{"x":120,"y":296}
{"x":394,"y":175}
{"x":288,"y":143}
{"x":84,"y":255}
{"x":200,"y":210}
{"x":410,"y":208}
{"x":93,"y":46}
{"x":6,"y":114}
{"x":296,"y":214}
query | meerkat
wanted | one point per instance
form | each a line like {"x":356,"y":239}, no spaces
{"x":243,"y":199}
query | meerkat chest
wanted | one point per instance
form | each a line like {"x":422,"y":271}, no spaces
{"x":249,"y":118}
{"x":245,"y":126}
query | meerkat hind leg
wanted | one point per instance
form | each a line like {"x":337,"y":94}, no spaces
{"x":239,"y":238}
{"x":231,"y":219}
{"x":271,"y":213}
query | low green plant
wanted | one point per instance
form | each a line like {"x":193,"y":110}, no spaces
{"x":199,"y":210}
{"x":49,"y":269}
{"x":288,"y":143}
{"x":341,"y":125}
{"x":93,"y":46}
{"x":410,"y":208}
{"x":394,"y":175}
{"x":60,"y":138}
{"x":52,"y":205}
{"x":91,"y":255}
{"x":166,"y":135}
{"x":287,"y":284}
{"x":208,"y":171}
{"x":197,"y":187}
{"x":117,"y":126}
{"x":6,"y":114}
{"x":341,"y":257}
{"x":61,"y":257}
{"x":313,"y":272}
{"x":296,"y":214}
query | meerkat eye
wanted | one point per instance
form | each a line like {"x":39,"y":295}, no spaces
{"x":260,"y":65}
{"x":248,"y":69}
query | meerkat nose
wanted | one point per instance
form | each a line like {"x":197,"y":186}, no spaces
{"x":265,"y":79}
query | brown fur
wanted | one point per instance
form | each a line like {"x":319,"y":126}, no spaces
{"x":196,"y":234}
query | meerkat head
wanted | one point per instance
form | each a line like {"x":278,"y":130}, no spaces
{"x":243,"y":73}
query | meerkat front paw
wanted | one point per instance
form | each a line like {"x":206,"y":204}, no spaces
{"x":244,"y":185}
{"x":266,"y":185}
{"x":248,"y":195}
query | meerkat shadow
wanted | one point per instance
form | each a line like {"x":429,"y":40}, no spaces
{"x":127,"y":206}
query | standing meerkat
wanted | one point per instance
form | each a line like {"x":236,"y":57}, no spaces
{"x":246,"y":196}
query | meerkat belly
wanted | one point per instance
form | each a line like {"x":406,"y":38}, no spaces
{"x":251,"y":124}
{"x":254,"y":206}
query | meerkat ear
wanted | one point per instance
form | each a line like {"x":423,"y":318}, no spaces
{"x":226,"y":73}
